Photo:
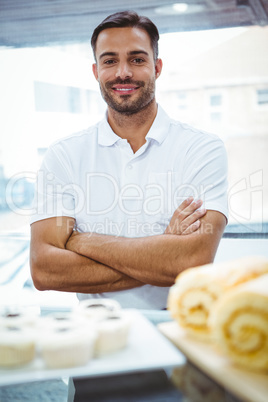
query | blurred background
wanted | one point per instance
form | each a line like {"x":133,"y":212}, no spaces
{"x":215,"y":77}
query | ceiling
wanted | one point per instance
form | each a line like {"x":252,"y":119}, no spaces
{"x":41,"y":22}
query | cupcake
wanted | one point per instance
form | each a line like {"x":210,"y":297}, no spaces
{"x":113,"y":332}
{"x":14,"y":316}
{"x":66,"y":341}
{"x":97,"y":308}
{"x":17,"y":345}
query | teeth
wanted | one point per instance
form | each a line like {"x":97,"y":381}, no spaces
{"x":124,"y":89}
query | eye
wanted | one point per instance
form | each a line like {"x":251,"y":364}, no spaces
{"x":110,"y":61}
{"x":138,"y":60}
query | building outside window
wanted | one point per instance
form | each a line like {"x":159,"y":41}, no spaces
{"x":262,"y":96}
{"x":216,"y":100}
{"x":182,"y":100}
{"x":215,"y":108}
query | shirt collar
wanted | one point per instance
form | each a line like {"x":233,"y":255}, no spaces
{"x":106,"y":136}
{"x":157,"y":132}
{"x":160,"y":127}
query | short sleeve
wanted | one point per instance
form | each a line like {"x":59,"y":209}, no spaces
{"x":205,"y":174}
{"x":54,"y":195}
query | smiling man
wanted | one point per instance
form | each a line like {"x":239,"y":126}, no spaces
{"x":127,"y":77}
{"x":121,"y":92}
{"x":118,"y":206}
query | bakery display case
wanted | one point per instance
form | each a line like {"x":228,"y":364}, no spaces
{"x":149,"y":368}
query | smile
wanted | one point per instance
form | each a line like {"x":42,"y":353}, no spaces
{"x":124,"y":90}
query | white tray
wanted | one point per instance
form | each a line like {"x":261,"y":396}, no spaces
{"x":147,"y":349}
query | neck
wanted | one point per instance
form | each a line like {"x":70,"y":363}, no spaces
{"x":135,"y":127}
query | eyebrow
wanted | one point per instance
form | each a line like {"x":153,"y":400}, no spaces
{"x":131,"y":53}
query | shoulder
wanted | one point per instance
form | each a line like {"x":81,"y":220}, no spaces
{"x":79,"y":138}
{"x":187,"y":135}
{"x":194,"y":135}
{"x":67,"y":149}
{"x":196,"y":143}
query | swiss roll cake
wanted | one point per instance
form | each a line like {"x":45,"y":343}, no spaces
{"x":239,"y":323}
{"x":196,"y":290}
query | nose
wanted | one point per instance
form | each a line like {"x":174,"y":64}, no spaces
{"x":123,"y":71}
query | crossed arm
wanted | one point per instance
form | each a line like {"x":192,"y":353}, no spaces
{"x":62,"y":259}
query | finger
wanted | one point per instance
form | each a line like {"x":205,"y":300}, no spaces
{"x":185,"y":215}
{"x":194,"y":217}
{"x":185,"y":203}
{"x":181,"y":227}
{"x":183,"y":211}
{"x":192,"y":228}
{"x":193,"y":207}
{"x":183,"y":206}
{"x":177,"y":216}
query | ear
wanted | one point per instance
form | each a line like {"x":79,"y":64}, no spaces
{"x":95,"y":71}
{"x":158,"y":67}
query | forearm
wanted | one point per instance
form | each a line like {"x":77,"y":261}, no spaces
{"x":155,"y":260}
{"x":54,"y":268}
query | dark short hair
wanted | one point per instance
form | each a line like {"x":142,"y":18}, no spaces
{"x":128,"y":19}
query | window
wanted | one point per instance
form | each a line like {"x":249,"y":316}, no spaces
{"x":215,"y":117}
{"x":62,"y":99}
{"x":49,"y":105}
{"x":182,"y":100}
{"x":52,"y":98}
{"x":215,"y":100}
{"x":262,"y":96}
{"x":215,"y":108}
{"x":74,"y":100}
{"x":45,"y":96}
{"x":221,"y":91}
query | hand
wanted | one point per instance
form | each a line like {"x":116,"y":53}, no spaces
{"x":185,"y":219}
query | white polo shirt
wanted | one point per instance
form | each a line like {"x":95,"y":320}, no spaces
{"x":94,"y":177}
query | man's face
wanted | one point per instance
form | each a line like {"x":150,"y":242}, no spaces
{"x":126,"y":69}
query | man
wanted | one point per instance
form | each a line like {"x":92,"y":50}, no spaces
{"x":115,"y":214}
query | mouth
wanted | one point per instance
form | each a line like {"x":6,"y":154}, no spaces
{"x":124,"y":89}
